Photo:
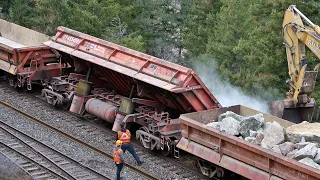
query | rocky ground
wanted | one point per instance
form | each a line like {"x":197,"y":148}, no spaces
{"x":11,"y":171}
{"x":62,"y":144}
{"x":93,"y":131}
{"x":299,"y":142}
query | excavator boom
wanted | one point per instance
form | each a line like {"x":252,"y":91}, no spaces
{"x":298,"y":105}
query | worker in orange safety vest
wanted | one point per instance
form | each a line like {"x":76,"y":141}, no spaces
{"x":118,"y":157}
{"x":124,"y":135}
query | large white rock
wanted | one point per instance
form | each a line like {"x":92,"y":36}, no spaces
{"x":310,"y":131}
{"x":317,"y":157}
{"x":310,"y":162}
{"x":276,"y":149}
{"x":301,"y":145}
{"x":286,"y":147}
{"x":230,"y":114}
{"x":273,"y":135}
{"x":230,"y":126}
{"x":292,"y":153}
{"x":309,"y":151}
{"x":214,"y":125}
{"x":255,"y":140}
{"x":251,"y":123}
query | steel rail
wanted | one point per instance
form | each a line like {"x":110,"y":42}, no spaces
{"x":151,"y":177}
{"x":185,"y":168}
{"x":42,"y":155}
{"x":32,"y":161}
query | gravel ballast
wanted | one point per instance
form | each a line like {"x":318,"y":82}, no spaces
{"x":92,"y":131}
{"x":62,"y":144}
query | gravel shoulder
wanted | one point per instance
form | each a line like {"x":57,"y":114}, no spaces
{"x":91,"y":131}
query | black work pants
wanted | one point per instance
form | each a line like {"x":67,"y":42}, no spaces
{"x":129,"y":147}
{"x":119,"y":168}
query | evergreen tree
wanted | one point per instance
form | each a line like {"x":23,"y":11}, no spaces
{"x":21,"y":12}
{"x":247,"y":43}
{"x":49,"y":14}
{"x":161,"y":23}
{"x":4,"y":8}
{"x":227,"y":32}
{"x":199,"y":22}
{"x":103,"y":19}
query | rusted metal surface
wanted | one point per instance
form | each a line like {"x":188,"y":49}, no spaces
{"x":167,"y":83}
{"x":83,"y":87}
{"x":101,"y":109}
{"x":29,"y":63}
{"x":235,"y":154}
{"x":78,"y":103}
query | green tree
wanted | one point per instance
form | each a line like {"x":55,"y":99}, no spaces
{"x":109,"y":19}
{"x":247,"y":42}
{"x":227,"y":32}
{"x":21,"y":12}
{"x":160,"y":23}
{"x":199,"y":22}
{"x":5,"y":8}
{"x":49,"y":14}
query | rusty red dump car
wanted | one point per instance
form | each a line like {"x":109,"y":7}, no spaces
{"x":235,"y":154}
{"x":27,"y":65}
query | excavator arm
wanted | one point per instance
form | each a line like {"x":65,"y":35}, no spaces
{"x":298,"y":105}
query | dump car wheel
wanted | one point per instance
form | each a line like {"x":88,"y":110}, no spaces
{"x":66,"y":101}
{"x":144,"y":140}
{"x":167,"y":148}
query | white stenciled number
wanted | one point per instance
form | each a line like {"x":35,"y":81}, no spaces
{"x":71,"y":39}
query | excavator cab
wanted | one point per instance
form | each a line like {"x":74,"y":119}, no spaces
{"x":298,"y":105}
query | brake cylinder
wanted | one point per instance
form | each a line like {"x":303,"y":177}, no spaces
{"x":101,"y":109}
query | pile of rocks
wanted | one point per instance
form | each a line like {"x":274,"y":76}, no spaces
{"x":300,"y":141}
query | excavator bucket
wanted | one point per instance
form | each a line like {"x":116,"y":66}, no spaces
{"x":302,"y":110}
{"x":285,"y":109}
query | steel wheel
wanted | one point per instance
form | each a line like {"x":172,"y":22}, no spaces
{"x":167,"y":148}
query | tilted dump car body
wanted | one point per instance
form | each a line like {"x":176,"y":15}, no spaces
{"x":37,"y":62}
{"x":235,"y":154}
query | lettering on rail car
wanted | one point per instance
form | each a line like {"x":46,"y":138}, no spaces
{"x":303,"y":176}
{"x":170,"y":72}
{"x":192,"y":88}
{"x":74,"y":101}
{"x":94,"y":46}
{"x":280,"y":169}
{"x":71,"y":39}
{"x":130,"y":59}
{"x":159,"y":71}
{"x":153,"y":67}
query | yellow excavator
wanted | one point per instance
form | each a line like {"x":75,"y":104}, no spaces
{"x":298,"y":105}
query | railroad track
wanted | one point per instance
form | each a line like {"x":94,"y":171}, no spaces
{"x":92,"y":127}
{"x":172,"y":164}
{"x":148,"y":176}
{"x":40,"y":160}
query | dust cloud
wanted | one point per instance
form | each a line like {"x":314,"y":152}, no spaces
{"x":227,"y":94}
